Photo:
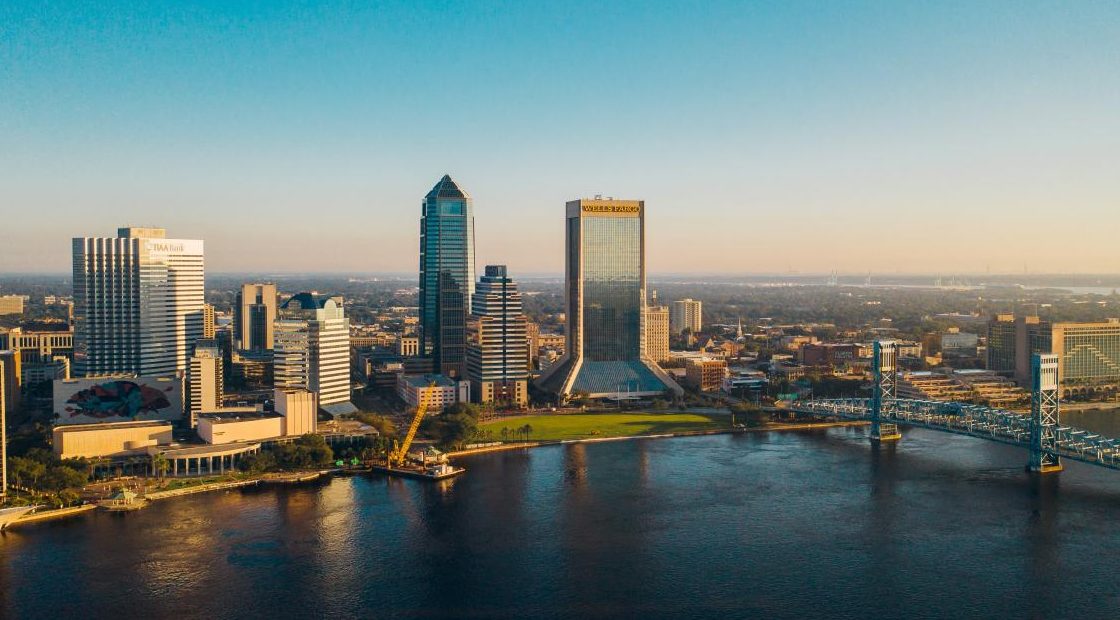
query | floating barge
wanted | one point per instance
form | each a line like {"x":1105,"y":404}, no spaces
{"x":441,"y":471}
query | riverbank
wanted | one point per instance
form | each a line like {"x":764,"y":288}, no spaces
{"x":769,"y":428}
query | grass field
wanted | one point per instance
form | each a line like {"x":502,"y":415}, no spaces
{"x":590,"y":425}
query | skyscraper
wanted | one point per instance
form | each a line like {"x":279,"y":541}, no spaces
{"x":657,"y":333}
{"x":3,"y":430}
{"x":205,"y":381}
{"x":312,"y":350}
{"x":209,"y":326}
{"x":685,"y":314}
{"x":497,"y":346}
{"x":138,"y":301}
{"x":446,"y":275}
{"x":605,"y":285}
{"x":255,"y":313}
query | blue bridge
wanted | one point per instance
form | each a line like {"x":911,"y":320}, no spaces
{"x":1041,"y":433}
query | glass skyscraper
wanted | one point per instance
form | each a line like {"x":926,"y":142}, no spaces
{"x":605,"y":285}
{"x":446,"y":275}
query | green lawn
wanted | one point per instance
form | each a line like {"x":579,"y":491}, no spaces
{"x":590,"y":425}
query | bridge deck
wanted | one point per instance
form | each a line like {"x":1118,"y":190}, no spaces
{"x":974,"y":421}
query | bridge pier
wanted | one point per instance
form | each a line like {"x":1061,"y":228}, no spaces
{"x":1045,"y":412}
{"x":885,"y":372}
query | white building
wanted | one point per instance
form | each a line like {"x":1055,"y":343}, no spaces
{"x":686,"y":314}
{"x":205,"y":383}
{"x":138,"y":302}
{"x":439,"y":391}
{"x":312,"y":350}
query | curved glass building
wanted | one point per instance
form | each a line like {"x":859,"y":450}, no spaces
{"x":446,"y":275}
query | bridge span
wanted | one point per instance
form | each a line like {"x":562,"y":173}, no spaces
{"x":1040,"y":433}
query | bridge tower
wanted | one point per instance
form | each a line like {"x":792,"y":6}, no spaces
{"x":1044,"y":414}
{"x":885,"y":371}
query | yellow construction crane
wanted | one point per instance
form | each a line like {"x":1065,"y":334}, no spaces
{"x":397,"y":456}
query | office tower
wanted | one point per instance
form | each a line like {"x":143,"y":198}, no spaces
{"x":312,"y":350}
{"x":497,"y":357}
{"x":1088,"y":353}
{"x":208,"y":327}
{"x":657,"y":333}
{"x":685,"y":314}
{"x":446,"y":275}
{"x":3,"y":429}
{"x":1001,"y":344}
{"x":254,"y":315}
{"x":205,"y":380}
{"x":138,"y":301}
{"x":605,"y":283}
{"x":12,"y":378}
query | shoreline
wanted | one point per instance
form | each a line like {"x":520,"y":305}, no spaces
{"x":801,"y":426}
{"x":303,"y":477}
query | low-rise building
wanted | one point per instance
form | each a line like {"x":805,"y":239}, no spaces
{"x":438,"y":391}
{"x":706,"y":374}
{"x":111,"y":439}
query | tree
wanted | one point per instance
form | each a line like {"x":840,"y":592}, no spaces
{"x":25,"y":472}
{"x":59,"y":477}
{"x":160,"y":464}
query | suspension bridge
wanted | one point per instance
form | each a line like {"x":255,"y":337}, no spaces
{"x":1041,"y":433}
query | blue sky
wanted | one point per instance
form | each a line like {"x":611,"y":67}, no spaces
{"x":764,"y":136}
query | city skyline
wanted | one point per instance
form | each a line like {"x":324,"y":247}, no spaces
{"x":923,"y":127}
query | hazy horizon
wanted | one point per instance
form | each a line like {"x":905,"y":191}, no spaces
{"x":948,"y":138}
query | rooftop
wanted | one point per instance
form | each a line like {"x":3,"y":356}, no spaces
{"x":447,"y":188}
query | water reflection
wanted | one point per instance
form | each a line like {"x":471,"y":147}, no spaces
{"x":770,"y":525}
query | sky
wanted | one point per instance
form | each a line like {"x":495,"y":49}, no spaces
{"x":765,"y":137}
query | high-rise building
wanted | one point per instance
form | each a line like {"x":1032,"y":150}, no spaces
{"x":208,"y":322}
{"x":685,"y":314}
{"x":205,"y":381}
{"x":657,"y":333}
{"x":446,"y":275}
{"x":254,"y":315}
{"x":605,"y":284}
{"x":138,"y":301}
{"x":3,"y":430}
{"x":497,"y":357}
{"x":12,"y":377}
{"x":312,"y":350}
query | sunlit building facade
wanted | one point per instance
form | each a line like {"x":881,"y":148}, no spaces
{"x":447,"y":275}
{"x":138,"y":302}
{"x":312,"y":350}
{"x":497,"y":345}
{"x":254,"y":315}
{"x":605,"y":286}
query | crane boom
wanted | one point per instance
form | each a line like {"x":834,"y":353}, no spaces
{"x":397,"y":457}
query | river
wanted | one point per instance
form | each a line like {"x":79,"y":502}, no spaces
{"x":778,"y":525}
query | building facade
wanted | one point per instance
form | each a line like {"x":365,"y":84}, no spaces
{"x":686,"y":314}
{"x":706,"y":374}
{"x":138,"y":302}
{"x":312,"y":350}
{"x":497,"y":344}
{"x":1088,"y":353}
{"x":254,"y":316}
{"x":11,"y":304}
{"x":657,"y":333}
{"x":38,"y":346}
{"x":446,"y":275}
{"x":13,"y":379}
{"x":209,"y":321}
{"x":605,"y":284}
{"x":3,"y":430}
{"x":437,"y":391}
{"x":205,"y":382}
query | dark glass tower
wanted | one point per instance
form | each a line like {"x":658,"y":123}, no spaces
{"x":605,"y":286}
{"x":446,"y":275}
